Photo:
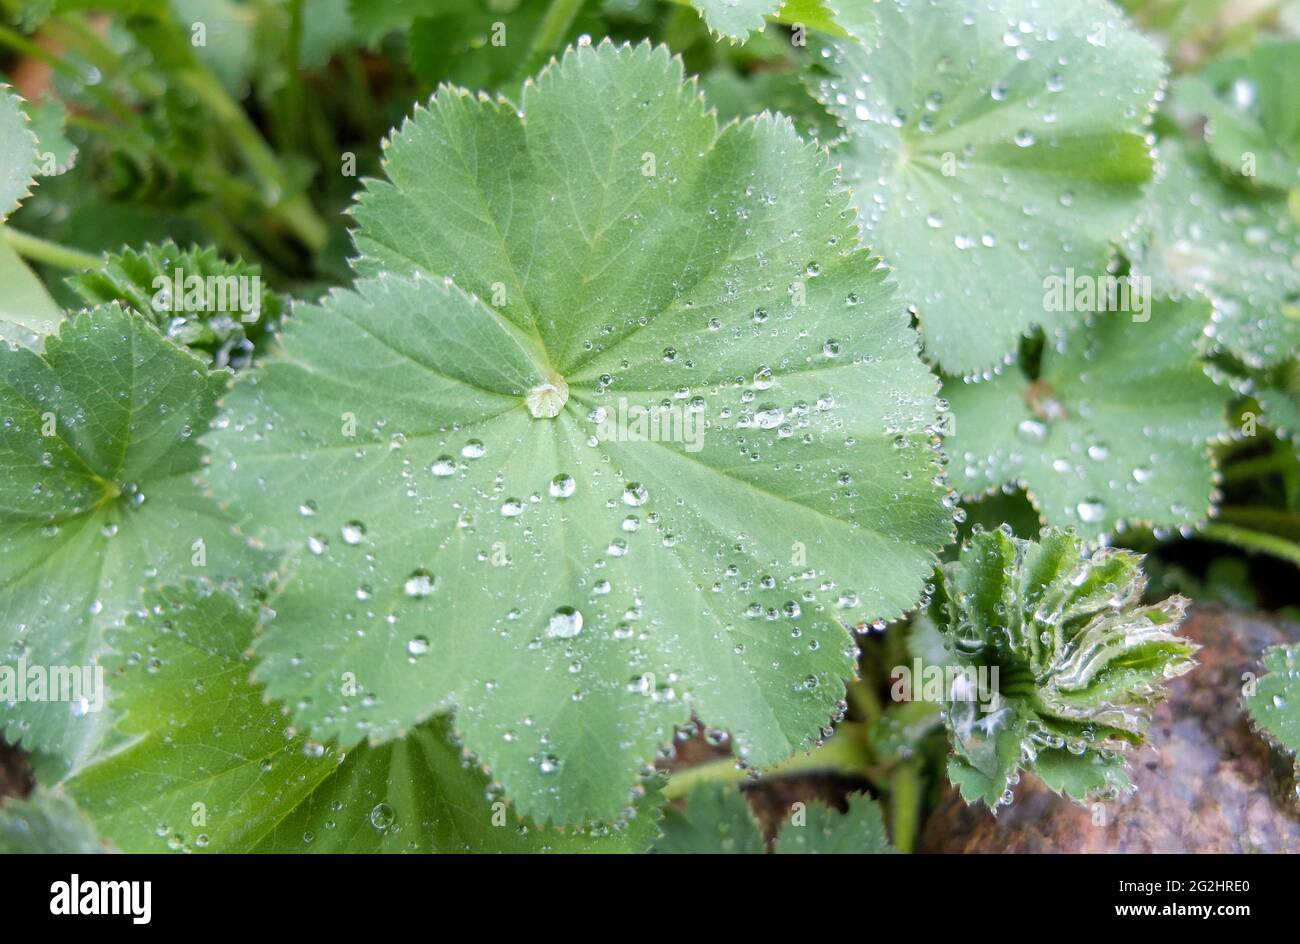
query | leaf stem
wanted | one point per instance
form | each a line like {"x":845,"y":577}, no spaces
{"x":1253,"y":541}
{"x":845,"y":753}
{"x":42,"y":250}
{"x":550,"y":32}
{"x":296,"y":211}
{"x":1257,"y":466}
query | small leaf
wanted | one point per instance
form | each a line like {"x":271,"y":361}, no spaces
{"x":737,"y":19}
{"x":581,"y":583}
{"x":217,"y":308}
{"x":1072,"y":438}
{"x":860,"y":831}
{"x":1274,"y":705}
{"x":1197,"y":234}
{"x":1252,"y":112}
{"x":717,"y":819}
{"x":18,"y":167}
{"x":46,"y":823}
{"x":213,"y":768}
{"x":991,"y":146}
{"x":55,"y":154}
{"x":1062,"y":663}
{"x":98,"y":450}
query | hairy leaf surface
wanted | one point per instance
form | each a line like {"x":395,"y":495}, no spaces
{"x":499,"y":534}
{"x":990,"y":146}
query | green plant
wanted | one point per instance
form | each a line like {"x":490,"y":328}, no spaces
{"x":416,"y":477}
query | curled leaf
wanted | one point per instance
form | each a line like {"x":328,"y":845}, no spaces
{"x":1059,"y":662}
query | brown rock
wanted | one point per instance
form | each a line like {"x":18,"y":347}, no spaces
{"x":1206,"y":783}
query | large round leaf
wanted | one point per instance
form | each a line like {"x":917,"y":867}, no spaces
{"x":483,"y":521}
{"x":992,"y":145}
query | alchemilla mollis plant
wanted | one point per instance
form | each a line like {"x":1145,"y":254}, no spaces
{"x":417,"y":427}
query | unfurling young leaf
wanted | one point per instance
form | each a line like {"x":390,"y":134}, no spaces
{"x":1199,"y":234}
{"x":717,"y":819}
{"x":213,"y":768}
{"x":98,"y":454}
{"x":992,"y":145}
{"x":1114,"y":431}
{"x":1079,"y":661}
{"x":217,"y":308}
{"x":676,"y":441}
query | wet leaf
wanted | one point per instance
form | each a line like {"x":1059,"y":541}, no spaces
{"x":483,"y":522}
{"x":98,"y":452}
{"x":1198,"y":234}
{"x":1274,"y":705}
{"x":1113,"y":432}
{"x":1251,"y":106}
{"x":214,"y":768}
{"x":991,"y":146}
{"x":218,"y":308}
{"x":1079,"y":663}
{"x":18,"y":166}
{"x":737,"y":19}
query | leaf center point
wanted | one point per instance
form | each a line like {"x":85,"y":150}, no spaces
{"x":546,"y":400}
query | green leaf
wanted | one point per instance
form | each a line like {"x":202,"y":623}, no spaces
{"x":578,"y":589}
{"x":48,"y":121}
{"x":1274,"y":706}
{"x":860,"y":831}
{"x":213,"y":767}
{"x":98,"y":451}
{"x":1113,"y":432}
{"x":1199,"y":235}
{"x":1251,"y":105}
{"x":46,"y":823}
{"x":1079,"y":663}
{"x":992,"y":145}
{"x":27,"y":312}
{"x":18,"y":166}
{"x":717,"y":819}
{"x":221,"y":310}
{"x":737,"y":19}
